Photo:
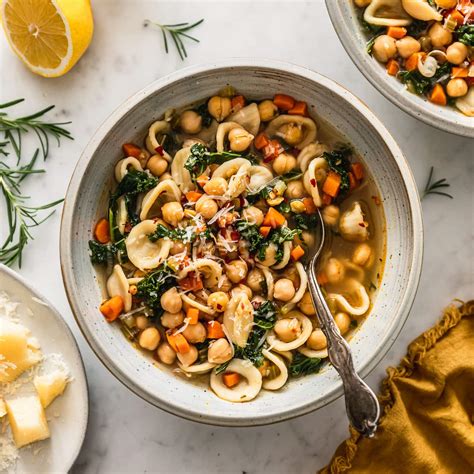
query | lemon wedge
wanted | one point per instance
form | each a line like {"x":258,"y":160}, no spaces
{"x":49,"y":36}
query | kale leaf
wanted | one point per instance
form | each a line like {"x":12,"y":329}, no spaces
{"x":306,"y":221}
{"x":416,"y":27}
{"x":203,"y":111}
{"x":465,"y":34}
{"x":105,"y":253}
{"x":250,"y":233}
{"x":265,"y":315}
{"x":253,"y":349}
{"x":154,"y":285}
{"x":338,"y":161}
{"x":421,"y":84}
{"x":133,"y":183}
{"x":302,"y":365}
{"x":178,"y":234}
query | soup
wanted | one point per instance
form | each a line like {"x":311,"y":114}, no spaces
{"x":208,"y":230}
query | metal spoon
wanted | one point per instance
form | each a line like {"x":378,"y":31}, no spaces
{"x":362,"y":406}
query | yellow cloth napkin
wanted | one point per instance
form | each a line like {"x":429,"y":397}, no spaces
{"x":428,"y":407}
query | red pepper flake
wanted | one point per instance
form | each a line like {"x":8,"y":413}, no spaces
{"x":313,"y":182}
{"x":160,"y":151}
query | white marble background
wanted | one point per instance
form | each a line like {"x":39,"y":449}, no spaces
{"x":125,"y":433}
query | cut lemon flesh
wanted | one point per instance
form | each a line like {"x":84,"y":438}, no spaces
{"x":48,"y":35}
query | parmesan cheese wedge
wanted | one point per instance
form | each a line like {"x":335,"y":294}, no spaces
{"x":27,"y":420}
{"x":18,"y":351}
{"x":50,"y":386}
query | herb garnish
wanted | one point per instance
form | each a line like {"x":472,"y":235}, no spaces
{"x":338,"y":161}
{"x":21,"y":217}
{"x":433,"y":188}
{"x":177,"y":32}
{"x":178,"y":234}
{"x":302,"y":365}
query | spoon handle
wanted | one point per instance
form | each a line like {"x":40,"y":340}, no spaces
{"x":362,"y":406}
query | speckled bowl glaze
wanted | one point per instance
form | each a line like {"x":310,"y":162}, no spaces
{"x":343,"y":15}
{"x":86,"y":201}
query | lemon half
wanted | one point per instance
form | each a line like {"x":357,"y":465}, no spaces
{"x":49,"y":36}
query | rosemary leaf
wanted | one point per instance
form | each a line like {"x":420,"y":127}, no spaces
{"x":434,"y":187}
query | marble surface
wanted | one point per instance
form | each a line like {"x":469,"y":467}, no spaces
{"x":125,"y":433}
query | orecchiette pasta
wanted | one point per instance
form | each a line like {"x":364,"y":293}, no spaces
{"x":205,"y":251}
{"x":387,"y":13}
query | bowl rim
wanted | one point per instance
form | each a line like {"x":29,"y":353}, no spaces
{"x":51,"y":307}
{"x":413,"y":105}
{"x":75,"y":185}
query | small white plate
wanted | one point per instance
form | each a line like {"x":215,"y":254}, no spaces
{"x":67,"y":415}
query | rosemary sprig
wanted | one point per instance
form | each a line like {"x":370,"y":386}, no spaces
{"x":14,"y":128}
{"x":177,"y":32}
{"x":434,"y":187}
{"x":21,"y":216}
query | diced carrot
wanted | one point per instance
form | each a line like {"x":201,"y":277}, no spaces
{"x":214,"y":330}
{"x":191,"y":282}
{"x":412,"y":62}
{"x":178,"y":342}
{"x":326,"y":199}
{"x":102,"y":231}
{"x":309,"y":205}
{"x":332,"y":184}
{"x":238,"y":102}
{"x":261,"y":141}
{"x":273,"y":218}
{"x":457,"y":16}
{"x":230,"y":379}
{"x":193,"y":315}
{"x":193,"y":196}
{"x":112,"y":308}
{"x":300,"y":108}
{"x":396,"y":32}
{"x":352,"y":181}
{"x":322,"y":278}
{"x":459,"y":72}
{"x":265,"y":230}
{"x":202,"y":180}
{"x":358,"y":170}
{"x":130,"y":149}
{"x":284,"y":102}
{"x":297,"y":253}
{"x":392,"y":67}
{"x":438,"y":96}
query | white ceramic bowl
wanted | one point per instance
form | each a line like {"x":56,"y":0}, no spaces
{"x":86,"y":201}
{"x":343,"y":15}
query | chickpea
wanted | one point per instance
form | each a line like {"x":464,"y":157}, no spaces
{"x":225,"y":284}
{"x":157,"y":165}
{"x":295,"y":189}
{"x":284,"y":289}
{"x":166,"y":354}
{"x":446,"y":3}
{"x":149,"y":338}
{"x":334,"y":270}
{"x":270,"y":255}
{"x":218,"y":301}
{"x":172,"y":213}
{"x":216,"y":186}
{"x":362,"y":254}
{"x":241,"y":288}
{"x":236,"y":270}
{"x":255,"y":280}
{"x":308,"y":238}
{"x":239,"y":139}
{"x":219,"y":351}
{"x":343,"y":322}
{"x":331,"y":215}
{"x":219,"y":107}
{"x":384,"y":48}
{"x":178,"y":247}
{"x":188,"y":358}
{"x":284,"y":163}
{"x":439,"y":35}
{"x":407,"y":46}
{"x":362,"y":3}
{"x":195,"y":333}
{"x":425,"y":42}
{"x":190,"y":122}
{"x":456,"y":53}
{"x":287,"y":329}
{"x":141,"y":322}
{"x":457,"y":87}
{"x":172,"y":320}
{"x":292,"y":133}
{"x":171,"y":301}
{"x":253,"y":215}
{"x":267,"y":110}
{"x":206,"y":207}
{"x":306,"y":305}
{"x":317,"y":341}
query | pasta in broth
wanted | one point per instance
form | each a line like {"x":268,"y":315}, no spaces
{"x":208,"y":230}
